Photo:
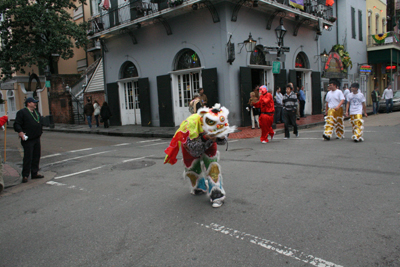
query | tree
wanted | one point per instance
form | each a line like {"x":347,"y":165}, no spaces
{"x":32,"y":32}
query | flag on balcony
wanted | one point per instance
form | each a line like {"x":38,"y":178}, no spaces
{"x":329,"y":2}
{"x":105,"y":4}
{"x":297,"y":4}
{"x":380,"y":38}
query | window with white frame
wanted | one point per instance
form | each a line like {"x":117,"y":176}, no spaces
{"x":78,"y":12}
{"x":188,"y":85}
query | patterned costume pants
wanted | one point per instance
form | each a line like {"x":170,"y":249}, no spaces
{"x":266,"y":126}
{"x":207,"y":164}
{"x":334,"y":121}
{"x":358,"y":126}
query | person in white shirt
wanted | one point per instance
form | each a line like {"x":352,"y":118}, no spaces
{"x":356,"y":106}
{"x":388,"y":96}
{"x":334,"y":111}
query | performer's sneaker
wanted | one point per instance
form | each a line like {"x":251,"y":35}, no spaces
{"x":264,"y":142}
{"x":327,"y":138}
{"x":217,"y":198}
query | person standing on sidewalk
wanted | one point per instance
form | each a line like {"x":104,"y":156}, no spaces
{"x":388,"y":96}
{"x":334,"y":111}
{"x":254,"y":112}
{"x":302,"y":99}
{"x":356,"y":102}
{"x":289,"y":111}
{"x":96,"y":107}
{"x":375,"y":100}
{"x":203,"y":97}
{"x":88,"y":110}
{"x":105,"y":114}
{"x":266,"y":104}
{"x":28,"y":125}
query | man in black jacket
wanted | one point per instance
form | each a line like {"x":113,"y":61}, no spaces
{"x":375,"y":100}
{"x":29,"y":128}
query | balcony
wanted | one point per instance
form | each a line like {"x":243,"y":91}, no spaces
{"x":139,"y":13}
{"x":383,"y":41}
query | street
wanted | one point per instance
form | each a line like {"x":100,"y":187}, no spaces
{"x":110,"y":201}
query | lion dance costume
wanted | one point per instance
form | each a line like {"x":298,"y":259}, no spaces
{"x":334,"y":118}
{"x":266,"y":104}
{"x":200,"y":154}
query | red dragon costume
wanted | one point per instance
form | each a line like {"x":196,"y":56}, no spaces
{"x":266,"y":104}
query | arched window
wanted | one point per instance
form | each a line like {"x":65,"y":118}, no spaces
{"x":302,"y":61}
{"x":257,"y":57}
{"x":187,"y":59}
{"x":129,"y":70}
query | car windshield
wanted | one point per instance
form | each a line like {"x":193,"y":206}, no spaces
{"x":397,"y":94}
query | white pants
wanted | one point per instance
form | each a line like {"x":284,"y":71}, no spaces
{"x":252,"y":119}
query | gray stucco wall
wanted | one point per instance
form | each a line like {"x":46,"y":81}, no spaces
{"x":155,"y":52}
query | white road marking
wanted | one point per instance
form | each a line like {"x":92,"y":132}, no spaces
{"x":127,"y":160}
{"x":54,"y":183}
{"x":149,"y":141}
{"x":49,"y":156}
{"x":76,"y":173}
{"x":156,"y":144}
{"x":79,"y":157}
{"x":84,"y":149}
{"x":232,"y":141}
{"x":271,"y":245}
{"x":123,"y":144}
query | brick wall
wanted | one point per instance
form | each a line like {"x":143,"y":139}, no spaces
{"x":60,"y":98}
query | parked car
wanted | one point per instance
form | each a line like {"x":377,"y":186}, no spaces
{"x":396,"y":102}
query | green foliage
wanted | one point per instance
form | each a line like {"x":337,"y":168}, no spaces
{"x":34,"y":30}
{"x":344,"y":56}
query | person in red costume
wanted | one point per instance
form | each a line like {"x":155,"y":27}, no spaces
{"x":266,"y":104}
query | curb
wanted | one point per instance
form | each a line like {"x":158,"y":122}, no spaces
{"x":160,"y":135}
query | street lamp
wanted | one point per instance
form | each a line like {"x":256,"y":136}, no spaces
{"x":280,"y":32}
{"x":324,"y":57}
{"x":249,"y":43}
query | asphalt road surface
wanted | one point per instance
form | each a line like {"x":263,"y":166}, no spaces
{"x":110,"y":201}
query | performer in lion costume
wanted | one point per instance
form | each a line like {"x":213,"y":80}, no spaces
{"x":198,"y":136}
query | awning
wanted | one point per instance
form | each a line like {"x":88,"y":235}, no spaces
{"x":384,"y":56}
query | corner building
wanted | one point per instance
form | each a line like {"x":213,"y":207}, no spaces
{"x":157,"y":55}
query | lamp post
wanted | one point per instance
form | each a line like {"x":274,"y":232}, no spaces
{"x":249,"y":43}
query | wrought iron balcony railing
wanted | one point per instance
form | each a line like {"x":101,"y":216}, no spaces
{"x":383,"y":39}
{"x":135,"y":9}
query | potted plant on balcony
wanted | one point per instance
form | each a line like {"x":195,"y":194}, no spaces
{"x":344,"y":56}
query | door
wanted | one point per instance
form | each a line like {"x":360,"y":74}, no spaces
{"x":281,"y":80}
{"x":316,"y":92}
{"x":185,"y":85}
{"x":165,"y":108}
{"x":210,"y":85}
{"x":145,"y":102}
{"x":245,"y":90}
{"x":293,"y":78}
{"x":130,"y":105}
{"x":113,"y":102}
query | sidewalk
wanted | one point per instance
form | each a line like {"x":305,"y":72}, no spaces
{"x":12,"y":176}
